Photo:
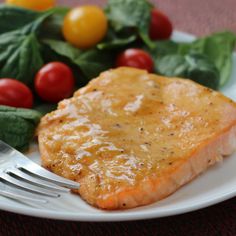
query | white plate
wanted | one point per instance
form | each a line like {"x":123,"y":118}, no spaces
{"x":216,"y":185}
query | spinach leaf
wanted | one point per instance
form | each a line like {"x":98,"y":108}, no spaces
{"x":52,"y":27}
{"x":17,"y":126}
{"x":116,"y":40}
{"x":45,"y":108}
{"x":21,"y":17}
{"x":94,"y":61}
{"x":12,"y":18}
{"x":63,"y":48}
{"x":203,"y":71}
{"x":20,"y":57}
{"x":163,"y":48}
{"x":117,"y":43}
{"x":196,"y":67}
{"x":132,"y":14}
{"x":91,"y":62}
{"x":173,"y":65}
{"x":218,"y":48}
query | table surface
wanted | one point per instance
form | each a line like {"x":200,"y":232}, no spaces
{"x":198,"y":17}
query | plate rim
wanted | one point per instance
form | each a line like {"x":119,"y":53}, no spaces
{"x":117,"y":217}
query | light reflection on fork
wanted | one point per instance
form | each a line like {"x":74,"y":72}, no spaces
{"x":22,"y":179}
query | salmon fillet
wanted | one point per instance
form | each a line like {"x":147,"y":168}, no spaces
{"x":131,"y":138}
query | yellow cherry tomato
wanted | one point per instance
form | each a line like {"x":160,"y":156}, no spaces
{"x":85,"y":26}
{"x":38,"y":5}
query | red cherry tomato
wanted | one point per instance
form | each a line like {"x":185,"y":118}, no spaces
{"x":160,"y":26}
{"x":15,"y":94}
{"x":54,"y":82}
{"x":137,"y":58}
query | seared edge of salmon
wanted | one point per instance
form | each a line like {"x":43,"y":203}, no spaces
{"x":151,"y":190}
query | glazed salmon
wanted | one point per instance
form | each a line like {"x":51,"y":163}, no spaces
{"x":131,"y":138}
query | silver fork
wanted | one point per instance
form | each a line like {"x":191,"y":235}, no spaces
{"x":24,"y":180}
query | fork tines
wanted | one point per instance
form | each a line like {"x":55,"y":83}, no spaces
{"x":22,"y":179}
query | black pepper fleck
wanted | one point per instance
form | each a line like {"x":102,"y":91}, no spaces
{"x":147,"y":143}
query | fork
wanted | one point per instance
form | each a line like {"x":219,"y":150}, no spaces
{"x":22,"y":179}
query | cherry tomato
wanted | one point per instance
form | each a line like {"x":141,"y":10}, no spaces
{"x":135,"y":58}
{"x":54,"y":82}
{"x":160,"y":26}
{"x":38,"y":5}
{"x":85,"y":26}
{"x":15,"y":94}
